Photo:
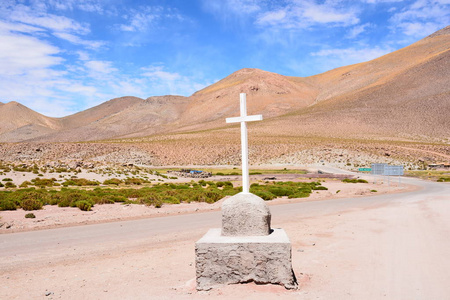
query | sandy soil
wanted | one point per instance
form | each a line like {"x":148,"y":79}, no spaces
{"x":54,"y":216}
{"x":394,"y":249}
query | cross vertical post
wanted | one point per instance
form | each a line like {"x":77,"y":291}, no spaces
{"x":244,"y":139}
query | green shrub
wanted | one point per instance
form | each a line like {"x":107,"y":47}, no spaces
{"x":43,"y":182}
{"x":373,"y":191}
{"x":264,"y":195}
{"x":299,"y":195}
{"x":7,"y":179}
{"x":9,"y":184}
{"x":135,"y":181}
{"x":1,"y":184}
{"x":83,"y":205}
{"x":31,"y":204}
{"x":347,"y":180}
{"x":113,"y":181}
{"x":25,"y":184}
{"x":30,"y":216}
{"x":80,"y":182}
{"x":320,"y":188}
{"x":6,"y":204}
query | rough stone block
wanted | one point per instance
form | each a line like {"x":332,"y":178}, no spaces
{"x":227,"y":260}
{"x":245,"y":214}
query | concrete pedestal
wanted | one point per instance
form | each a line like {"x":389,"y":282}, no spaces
{"x":239,"y":259}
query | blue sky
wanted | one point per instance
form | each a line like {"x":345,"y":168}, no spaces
{"x":59,"y":57}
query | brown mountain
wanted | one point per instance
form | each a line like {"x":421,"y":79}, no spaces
{"x":19,"y":123}
{"x":402,"y":95}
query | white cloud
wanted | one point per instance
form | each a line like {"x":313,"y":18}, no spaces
{"x":50,"y":21}
{"x":272,"y":17}
{"x":139,"y":21}
{"x":304,"y":14}
{"x":357,"y":30}
{"x":235,"y":7}
{"x":176,"y":84}
{"x":382,"y":1}
{"x":332,"y":58}
{"x":18,"y":27}
{"x":419,"y":29}
{"x":156,"y":72}
{"x":21,"y":53}
{"x":421,"y":18}
{"x":148,"y":17}
{"x":79,"y":41}
{"x":99,"y":69}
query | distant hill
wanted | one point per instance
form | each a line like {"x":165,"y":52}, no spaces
{"x":19,"y":123}
{"x":401,"y":95}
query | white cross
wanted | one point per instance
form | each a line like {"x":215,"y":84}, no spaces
{"x":244,"y":141}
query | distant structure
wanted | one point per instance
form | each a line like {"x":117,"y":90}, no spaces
{"x":191,"y":173}
{"x":442,"y":165}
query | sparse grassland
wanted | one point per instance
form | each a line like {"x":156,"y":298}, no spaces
{"x":157,"y":195}
{"x":433,"y":175}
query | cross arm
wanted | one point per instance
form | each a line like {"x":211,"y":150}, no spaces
{"x":244,"y":119}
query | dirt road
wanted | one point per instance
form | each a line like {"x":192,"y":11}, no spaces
{"x":380,"y":247}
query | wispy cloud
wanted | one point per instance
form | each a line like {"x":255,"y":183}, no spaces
{"x":304,"y":14}
{"x":176,"y":83}
{"x":16,"y":57}
{"x":52,"y":22}
{"x":225,"y":8}
{"x":149,"y":17}
{"x":357,"y":30}
{"x":79,"y":41}
{"x":332,"y":58}
{"x":422,"y":17}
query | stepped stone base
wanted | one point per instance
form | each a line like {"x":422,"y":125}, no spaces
{"x":239,"y":259}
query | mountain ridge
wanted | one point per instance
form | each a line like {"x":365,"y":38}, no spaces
{"x":404,"y":93}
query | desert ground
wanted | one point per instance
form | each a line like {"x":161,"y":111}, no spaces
{"x":392,"y":245}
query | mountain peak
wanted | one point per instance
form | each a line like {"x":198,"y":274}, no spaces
{"x":14,"y":103}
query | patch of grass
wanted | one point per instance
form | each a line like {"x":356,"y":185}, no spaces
{"x":439,"y":176}
{"x":113,"y":181}
{"x":347,"y":180}
{"x":444,"y":179}
{"x":30,"y":216}
{"x":373,"y":191}
{"x":281,"y":189}
{"x":157,"y":195}
{"x":84,"y":205}
{"x":9,"y":184}
{"x":80,"y":182}
{"x":7,"y":204}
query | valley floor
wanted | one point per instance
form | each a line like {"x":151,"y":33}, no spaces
{"x":391,"y":246}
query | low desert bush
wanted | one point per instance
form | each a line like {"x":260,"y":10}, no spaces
{"x":444,"y":179}
{"x":113,"y":181}
{"x":31,"y":204}
{"x":347,"y":180}
{"x":84,"y":205}
{"x":9,"y":184}
{"x":6,"y":204}
{"x":30,"y":216}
